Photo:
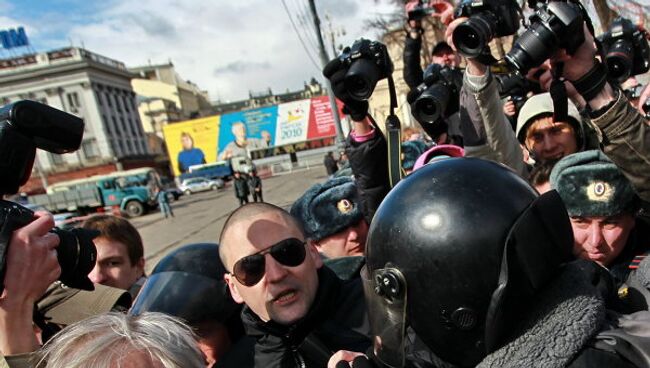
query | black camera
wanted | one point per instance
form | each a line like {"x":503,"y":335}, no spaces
{"x":487,"y":19}
{"x":367,"y":63}
{"x":626,"y":50}
{"x":438,"y":96}
{"x":554,"y":25}
{"x":421,"y":11}
{"x":25,"y":126}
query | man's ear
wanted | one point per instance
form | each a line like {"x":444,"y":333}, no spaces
{"x":312,"y":249}
{"x":140,"y":264}
{"x":233,"y":289}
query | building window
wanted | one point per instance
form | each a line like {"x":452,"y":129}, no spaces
{"x":126,"y":104}
{"x":117,"y":129}
{"x":107,"y":125}
{"x":73,"y":100}
{"x":89,"y":149}
{"x":56,"y":159}
{"x":98,"y":96}
{"x":117,"y":103}
{"x":108,"y":100}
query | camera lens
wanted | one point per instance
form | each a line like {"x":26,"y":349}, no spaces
{"x":361,"y":79}
{"x":532,"y":48}
{"x":77,"y":255}
{"x":619,"y":60}
{"x":431,"y":104}
{"x":473,"y":35}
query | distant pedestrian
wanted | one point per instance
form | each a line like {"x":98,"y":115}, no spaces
{"x":241,"y":188}
{"x":255,"y":186}
{"x":330,"y":164}
{"x":163,"y":203}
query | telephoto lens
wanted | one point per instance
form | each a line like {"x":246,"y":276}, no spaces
{"x":556,"y":25}
{"x":619,"y":60}
{"x":77,"y":256}
{"x":361,"y":79}
{"x":472,"y":36}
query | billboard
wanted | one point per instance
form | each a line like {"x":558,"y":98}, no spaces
{"x":236,"y":134}
{"x":191,"y":142}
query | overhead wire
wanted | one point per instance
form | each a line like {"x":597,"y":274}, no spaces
{"x":293,"y":24}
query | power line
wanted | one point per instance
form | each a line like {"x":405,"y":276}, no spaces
{"x":286,"y":9}
{"x":306,"y":23}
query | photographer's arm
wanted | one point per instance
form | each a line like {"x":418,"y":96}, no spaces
{"x":368,"y":156}
{"x":487,"y":133}
{"x":413,"y":74}
{"x":623,"y":132}
{"x":31,"y":266}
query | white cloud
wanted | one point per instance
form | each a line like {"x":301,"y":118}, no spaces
{"x":226,"y":47}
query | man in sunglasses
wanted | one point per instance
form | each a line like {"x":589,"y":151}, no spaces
{"x":298,"y":310}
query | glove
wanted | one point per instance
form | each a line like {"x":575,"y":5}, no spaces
{"x":335,"y":71}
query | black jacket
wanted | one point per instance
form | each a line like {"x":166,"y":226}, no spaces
{"x":336,"y":321}
{"x":413,"y":74}
{"x":369,"y":163}
{"x":254,"y":182}
{"x":241,"y":187}
{"x":330,"y":165}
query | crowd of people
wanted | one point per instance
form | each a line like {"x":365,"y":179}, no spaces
{"x":504,"y":245}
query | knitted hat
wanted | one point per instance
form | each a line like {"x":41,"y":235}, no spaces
{"x":328,"y":208}
{"x":438,"y":152}
{"x":542,"y":104}
{"x":590,"y":185}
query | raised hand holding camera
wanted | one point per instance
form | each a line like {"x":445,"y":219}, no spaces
{"x":25,"y":126}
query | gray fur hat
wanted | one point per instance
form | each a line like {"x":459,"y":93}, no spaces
{"x":590,"y":184}
{"x":328,"y":208}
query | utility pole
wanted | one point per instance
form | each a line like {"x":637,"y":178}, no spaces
{"x":324,"y":60}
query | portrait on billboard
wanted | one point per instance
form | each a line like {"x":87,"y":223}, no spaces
{"x":247,"y":130}
{"x":192,"y":142}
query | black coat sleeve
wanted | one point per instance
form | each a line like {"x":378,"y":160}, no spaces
{"x":413,"y":74}
{"x":369,"y":163}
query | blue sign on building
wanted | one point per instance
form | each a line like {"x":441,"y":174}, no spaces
{"x":13,"y":38}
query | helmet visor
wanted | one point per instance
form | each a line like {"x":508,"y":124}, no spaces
{"x":385,"y":291}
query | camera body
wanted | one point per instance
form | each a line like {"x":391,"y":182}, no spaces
{"x":367,"y":63}
{"x":437,"y":96}
{"x":24,"y":126}
{"x":420,"y":12}
{"x":554,"y":25}
{"x":487,"y":19}
{"x":626,"y":50}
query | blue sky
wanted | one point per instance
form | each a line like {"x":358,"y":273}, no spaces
{"x":226,"y":47}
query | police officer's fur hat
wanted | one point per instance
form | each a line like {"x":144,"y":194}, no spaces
{"x":591,"y":185}
{"x":328,"y":208}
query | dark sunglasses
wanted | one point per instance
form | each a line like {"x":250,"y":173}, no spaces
{"x":250,"y":269}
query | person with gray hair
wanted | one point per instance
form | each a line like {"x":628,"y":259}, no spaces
{"x":150,"y":340}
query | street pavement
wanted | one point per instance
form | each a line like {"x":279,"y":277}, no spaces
{"x":199,"y":217}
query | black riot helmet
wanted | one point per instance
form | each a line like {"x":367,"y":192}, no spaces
{"x":188,"y":283}
{"x":455,"y":251}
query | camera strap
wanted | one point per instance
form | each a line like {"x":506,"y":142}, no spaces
{"x":393,"y":133}
{"x":559,"y":95}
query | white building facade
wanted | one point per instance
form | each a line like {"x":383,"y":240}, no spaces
{"x":93,"y":87}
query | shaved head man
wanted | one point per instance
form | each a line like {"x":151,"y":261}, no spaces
{"x":289,"y":294}
{"x":283,"y":293}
